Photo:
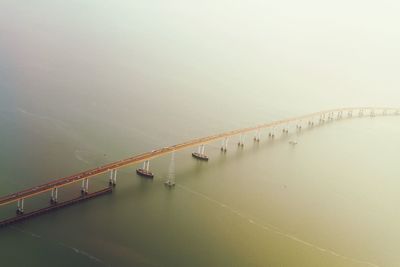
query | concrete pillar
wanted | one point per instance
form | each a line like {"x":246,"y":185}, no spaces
{"x":241,"y":140}
{"x":372,"y":113}
{"x":257,"y":136}
{"x":224,"y":146}
{"x":272,"y":132}
{"x":349,"y":113}
{"x":20,"y":206}
{"x":83,"y":186}
{"x":54,"y":195}
{"x":87,"y":186}
{"x":298,"y":125}
{"x":115,"y":177}
{"x":111,"y":179}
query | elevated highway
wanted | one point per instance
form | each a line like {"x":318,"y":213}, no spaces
{"x":272,"y":128}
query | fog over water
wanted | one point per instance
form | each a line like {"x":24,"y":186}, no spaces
{"x":84,"y":83}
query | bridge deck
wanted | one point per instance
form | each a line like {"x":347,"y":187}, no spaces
{"x":160,"y":152}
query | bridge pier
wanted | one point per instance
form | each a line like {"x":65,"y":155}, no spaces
{"x":85,"y":186}
{"x":322,"y":118}
{"x":298,"y":126}
{"x":200,"y":154}
{"x":113,"y":177}
{"x":330,"y":116}
{"x":271,"y":133}
{"x":54,"y":195}
{"x":372,"y":113}
{"x":20,"y":206}
{"x":241,"y":140}
{"x":350,"y":113}
{"x":224,"y":146}
{"x":257,"y":136}
{"x":361,"y":113}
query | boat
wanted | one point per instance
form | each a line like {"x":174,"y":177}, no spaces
{"x":200,"y":156}
{"x":145,"y":173}
{"x":293,"y":142}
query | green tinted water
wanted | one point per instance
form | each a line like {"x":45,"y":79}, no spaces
{"x":86,"y":84}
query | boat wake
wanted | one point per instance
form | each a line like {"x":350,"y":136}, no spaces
{"x":78,"y":156}
{"x":274,"y":229}
{"x":76,"y":250}
{"x":84,"y":253}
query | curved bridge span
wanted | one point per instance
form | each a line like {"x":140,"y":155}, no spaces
{"x":271,"y":129}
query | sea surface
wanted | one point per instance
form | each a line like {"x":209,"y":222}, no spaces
{"x":85,"y":83}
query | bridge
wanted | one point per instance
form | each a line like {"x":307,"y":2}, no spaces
{"x":272,"y":128}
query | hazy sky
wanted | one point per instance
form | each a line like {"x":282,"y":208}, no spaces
{"x":311,"y":54}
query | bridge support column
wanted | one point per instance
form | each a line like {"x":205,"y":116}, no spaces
{"x":241,"y":140}
{"x":330,"y":116}
{"x":372,"y":113}
{"x":361,"y":113}
{"x":54,"y":195}
{"x":271,"y":133}
{"x":85,"y":186}
{"x":298,"y":126}
{"x":322,"y":118}
{"x":20,"y":206}
{"x":224,"y":146}
{"x":257,"y":136}
{"x":350,"y":113}
{"x":113,"y":177}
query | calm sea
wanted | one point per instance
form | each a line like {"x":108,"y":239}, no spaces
{"x":87,"y":83}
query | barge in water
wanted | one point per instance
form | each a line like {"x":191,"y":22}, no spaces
{"x":145,"y":173}
{"x":200,"y":156}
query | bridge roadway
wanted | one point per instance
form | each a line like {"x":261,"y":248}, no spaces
{"x":163,"y":151}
